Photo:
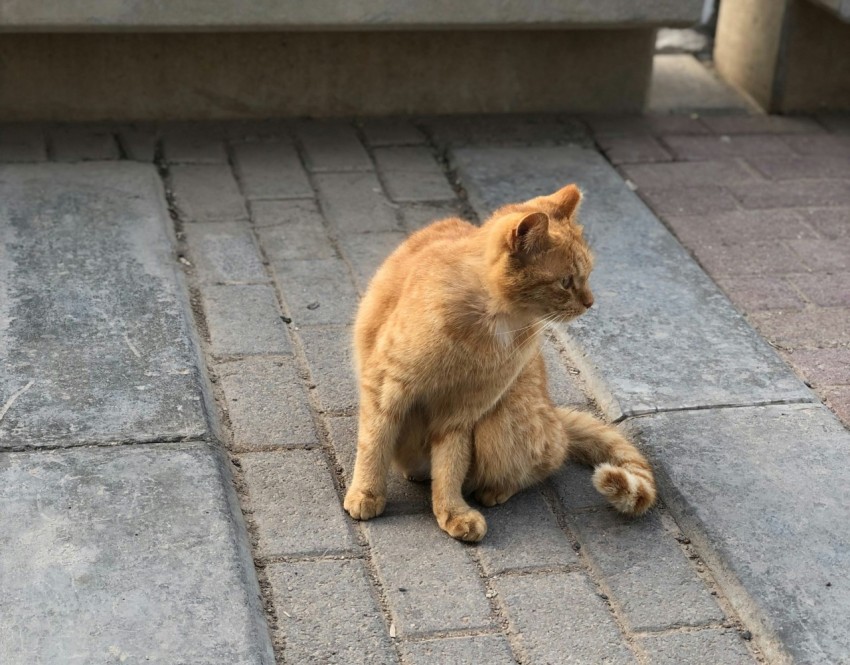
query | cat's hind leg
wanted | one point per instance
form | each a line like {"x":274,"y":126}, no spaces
{"x":412,"y":455}
{"x":622,"y":474}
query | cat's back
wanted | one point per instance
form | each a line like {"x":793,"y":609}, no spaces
{"x":418,"y":265}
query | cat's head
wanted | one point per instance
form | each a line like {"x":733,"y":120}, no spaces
{"x":540,"y":262}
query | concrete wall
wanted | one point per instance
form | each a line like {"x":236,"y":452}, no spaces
{"x":242,"y":75}
{"x":788,"y":55}
{"x":357,"y":15}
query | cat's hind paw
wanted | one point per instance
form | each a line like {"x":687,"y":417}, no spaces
{"x":363,"y":505}
{"x":492,"y":497}
{"x":629,"y":492}
{"x":469,"y":525}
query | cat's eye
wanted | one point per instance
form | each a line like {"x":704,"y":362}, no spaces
{"x":567,"y":282}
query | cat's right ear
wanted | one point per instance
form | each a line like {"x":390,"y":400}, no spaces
{"x":529,"y":235}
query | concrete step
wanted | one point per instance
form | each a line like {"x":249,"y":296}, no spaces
{"x":94,"y":329}
{"x":745,"y":453}
{"x":113,"y":551}
{"x":127,"y":554}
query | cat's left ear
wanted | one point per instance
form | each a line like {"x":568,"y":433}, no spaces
{"x":567,"y":199}
{"x":530,"y":234}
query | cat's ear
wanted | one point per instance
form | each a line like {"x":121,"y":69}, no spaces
{"x":567,"y":200}
{"x":530,"y":234}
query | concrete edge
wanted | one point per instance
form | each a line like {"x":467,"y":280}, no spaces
{"x":242,"y":542}
{"x":202,"y":376}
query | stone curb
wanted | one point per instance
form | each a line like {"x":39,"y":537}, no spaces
{"x":665,"y":351}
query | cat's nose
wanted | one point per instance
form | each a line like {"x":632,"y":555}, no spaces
{"x":588,"y":301}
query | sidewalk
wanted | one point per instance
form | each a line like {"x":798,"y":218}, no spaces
{"x":278,"y":228}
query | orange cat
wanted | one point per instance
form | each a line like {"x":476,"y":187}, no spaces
{"x":452,"y":383}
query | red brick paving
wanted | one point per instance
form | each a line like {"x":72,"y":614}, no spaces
{"x":763,"y":203}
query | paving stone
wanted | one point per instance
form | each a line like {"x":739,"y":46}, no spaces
{"x":572,"y":483}
{"x":207,"y":193}
{"x":835,"y":122}
{"x":367,"y":251}
{"x":274,"y":130}
{"x":696,"y":148}
{"x":760,"y":124}
{"x":688,"y":200}
{"x":793,"y":193}
{"x":139,"y":142}
{"x":564,"y":383}
{"x":293,"y":504}
{"x":80,"y":143}
{"x":326,"y":614}
{"x":822,"y":367}
{"x":318,"y":291}
{"x":504,"y":129}
{"x":830,"y":222}
{"x":224,"y":252}
{"x":266,"y":403}
{"x":417,"y":216}
{"x":620,"y":125}
{"x":819,"y":144}
{"x":193,"y":147}
{"x":749,"y":258}
{"x":391,"y":131}
{"x":755,"y":293}
{"x":354,"y":203}
{"x":332,"y":145}
{"x":837,"y":398}
{"x":491,"y":649}
{"x":429,"y":579}
{"x":134,"y":553}
{"x":823,"y":255}
{"x":687,"y":174}
{"x":646,"y":571}
{"x":298,"y":234}
{"x":713,"y":645}
{"x":22,"y":143}
{"x":523,"y":533}
{"x":750,"y":225}
{"x":412,"y":174}
{"x":629,"y":336}
{"x":271,"y":171}
{"x":633,"y":149}
{"x":790,"y":167}
{"x":244,"y":319}
{"x":555,"y":614}
{"x":814,"y":327}
{"x":329,"y":354}
{"x":825,"y":289}
{"x":403,"y":496}
{"x":695,"y":230}
{"x":95,"y":339}
{"x":773,"y":521}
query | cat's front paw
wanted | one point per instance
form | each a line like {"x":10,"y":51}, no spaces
{"x":362,"y":504}
{"x":469,"y":525}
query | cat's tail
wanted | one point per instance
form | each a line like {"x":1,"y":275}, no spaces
{"x":622,"y":474}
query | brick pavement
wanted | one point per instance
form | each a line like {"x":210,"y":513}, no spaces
{"x":276,"y":264}
{"x":763,"y":204}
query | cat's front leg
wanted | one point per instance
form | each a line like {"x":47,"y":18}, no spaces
{"x":451,"y":454}
{"x":381,"y":415}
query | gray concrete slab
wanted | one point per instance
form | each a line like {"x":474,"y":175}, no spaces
{"x":763,"y":492}
{"x":490,"y":649}
{"x":130,"y":554}
{"x":662,"y":335}
{"x":94,"y":323}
